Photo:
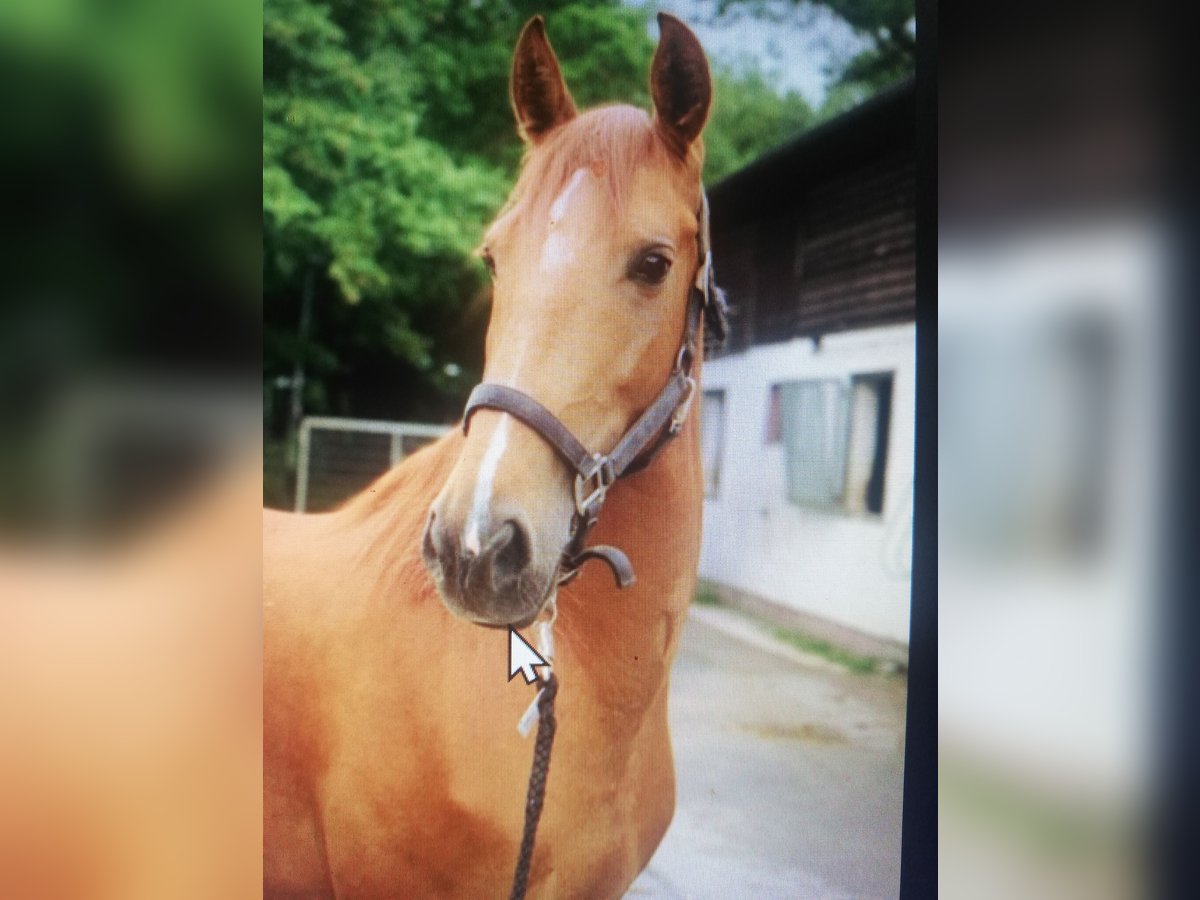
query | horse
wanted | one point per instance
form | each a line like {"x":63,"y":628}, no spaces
{"x":392,"y":767}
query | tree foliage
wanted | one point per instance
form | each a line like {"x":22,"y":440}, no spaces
{"x":892,"y":55}
{"x":748,"y":118}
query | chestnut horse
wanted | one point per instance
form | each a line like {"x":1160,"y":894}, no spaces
{"x":392,"y":765}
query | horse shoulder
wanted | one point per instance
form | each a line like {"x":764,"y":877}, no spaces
{"x":330,"y":583}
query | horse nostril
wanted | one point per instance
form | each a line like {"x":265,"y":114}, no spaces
{"x":427,"y":545}
{"x":475,"y":575}
{"x":437,"y":542}
{"x":439,"y":547}
{"x":511,"y":549}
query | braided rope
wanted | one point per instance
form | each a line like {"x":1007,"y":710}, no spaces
{"x":537,"y":784}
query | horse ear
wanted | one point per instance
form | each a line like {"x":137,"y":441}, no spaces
{"x":680,"y":84}
{"x":540,"y":97}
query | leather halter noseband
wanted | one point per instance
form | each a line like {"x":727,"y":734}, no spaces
{"x":661,"y":421}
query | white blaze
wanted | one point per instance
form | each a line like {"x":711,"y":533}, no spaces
{"x":557,"y":251}
{"x":558,"y":208}
{"x":483,"y":484}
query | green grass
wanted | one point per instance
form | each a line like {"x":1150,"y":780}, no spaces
{"x":707,"y":595}
{"x":862,"y":665}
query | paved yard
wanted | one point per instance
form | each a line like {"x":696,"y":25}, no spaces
{"x":789,"y":776}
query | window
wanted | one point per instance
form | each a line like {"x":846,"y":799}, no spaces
{"x":712,"y":425}
{"x":813,"y":430}
{"x":835,"y":437}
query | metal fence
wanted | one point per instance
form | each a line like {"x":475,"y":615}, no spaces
{"x":340,"y":457}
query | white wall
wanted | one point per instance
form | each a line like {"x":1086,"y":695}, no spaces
{"x":852,"y":569}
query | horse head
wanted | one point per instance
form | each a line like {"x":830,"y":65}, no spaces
{"x":593,"y":260}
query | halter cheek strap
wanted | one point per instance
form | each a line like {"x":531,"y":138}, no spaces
{"x":658,"y":424}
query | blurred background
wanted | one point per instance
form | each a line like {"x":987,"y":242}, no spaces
{"x":131,"y":303}
{"x":1059,"y":389}
{"x":130,"y":410}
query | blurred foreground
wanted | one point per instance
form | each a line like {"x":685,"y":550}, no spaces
{"x":1056,"y":385}
{"x":130,"y":487}
{"x":130,"y":690}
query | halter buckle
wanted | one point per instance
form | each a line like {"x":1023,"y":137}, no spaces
{"x":592,"y":486}
{"x":685,"y":406}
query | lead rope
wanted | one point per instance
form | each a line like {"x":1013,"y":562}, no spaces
{"x":541,"y":709}
{"x":537,"y":783}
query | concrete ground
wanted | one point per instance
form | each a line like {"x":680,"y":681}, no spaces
{"x":789,"y":773}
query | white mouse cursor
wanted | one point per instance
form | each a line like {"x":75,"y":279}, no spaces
{"x":522,"y":658}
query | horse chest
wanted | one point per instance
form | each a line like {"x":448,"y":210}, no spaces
{"x":447,"y":851}
{"x":450,"y":826}
{"x":419,"y":786}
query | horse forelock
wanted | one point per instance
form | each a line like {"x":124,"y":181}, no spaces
{"x":612,"y":142}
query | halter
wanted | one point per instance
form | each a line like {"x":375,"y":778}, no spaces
{"x":662,"y":420}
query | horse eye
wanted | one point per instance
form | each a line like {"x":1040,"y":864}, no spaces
{"x":652,"y":268}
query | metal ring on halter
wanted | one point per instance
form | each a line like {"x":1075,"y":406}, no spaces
{"x":587,"y":503}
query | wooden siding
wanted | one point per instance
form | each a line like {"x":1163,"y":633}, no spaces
{"x":819,"y":236}
{"x":844,"y":258}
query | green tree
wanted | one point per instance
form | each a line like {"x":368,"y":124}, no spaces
{"x":886,"y":23}
{"x":365,"y":219}
{"x":387,"y":144}
{"x":748,"y":117}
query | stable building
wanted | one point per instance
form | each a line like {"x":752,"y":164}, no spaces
{"x":808,"y":411}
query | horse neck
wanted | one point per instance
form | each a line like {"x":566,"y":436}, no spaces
{"x":623,"y":641}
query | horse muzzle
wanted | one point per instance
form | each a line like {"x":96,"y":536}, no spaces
{"x":491,"y":578}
